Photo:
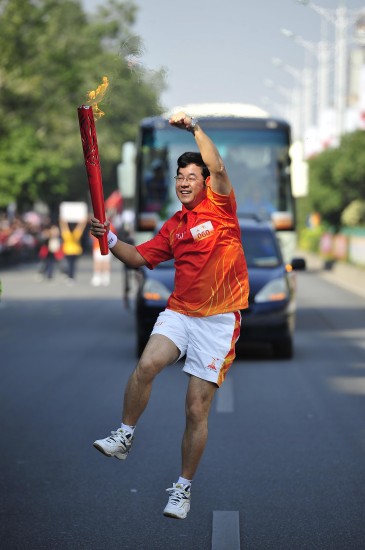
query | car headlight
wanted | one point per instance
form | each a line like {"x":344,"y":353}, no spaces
{"x":154,"y":290}
{"x":273,"y":291}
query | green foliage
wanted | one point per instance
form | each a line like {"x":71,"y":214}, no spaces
{"x":309,"y":238}
{"x":349,"y":169}
{"x":303,"y":209}
{"x":354,"y":214}
{"x":337,"y":177}
{"x":52,"y":54}
{"x":324,"y":195}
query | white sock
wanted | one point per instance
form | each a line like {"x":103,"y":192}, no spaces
{"x":184,"y":481}
{"x":127,"y":428}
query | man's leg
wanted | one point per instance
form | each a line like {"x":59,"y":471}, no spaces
{"x":159,"y":352}
{"x":199,"y":398}
{"x":198,"y":401}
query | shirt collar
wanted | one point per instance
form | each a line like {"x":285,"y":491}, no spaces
{"x":185,"y":211}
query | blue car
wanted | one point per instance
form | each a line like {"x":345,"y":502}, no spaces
{"x":270,"y":317}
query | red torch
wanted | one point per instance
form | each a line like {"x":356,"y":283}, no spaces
{"x":92,"y":164}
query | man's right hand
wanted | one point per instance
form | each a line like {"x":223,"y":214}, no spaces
{"x":97,"y":229}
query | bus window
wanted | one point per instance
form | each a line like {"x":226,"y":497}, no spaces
{"x":155,"y":184}
{"x":257,"y":163}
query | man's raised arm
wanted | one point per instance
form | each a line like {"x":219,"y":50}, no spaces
{"x":219,"y":179}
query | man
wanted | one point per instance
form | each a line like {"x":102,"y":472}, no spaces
{"x":202,"y":318}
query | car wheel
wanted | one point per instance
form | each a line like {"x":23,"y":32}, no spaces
{"x":284,"y":349}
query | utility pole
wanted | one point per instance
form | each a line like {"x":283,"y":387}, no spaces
{"x":320,"y":52}
{"x":341,"y":67}
{"x":304,"y":79}
{"x":339,"y":18}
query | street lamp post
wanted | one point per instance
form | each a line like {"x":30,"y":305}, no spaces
{"x":340,"y":19}
{"x":321,"y":52}
{"x":341,"y":72}
{"x":305,"y":81}
{"x":291,"y":111}
{"x":323,"y":77}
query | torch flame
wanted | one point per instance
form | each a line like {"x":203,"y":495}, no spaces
{"x":96,"y":96}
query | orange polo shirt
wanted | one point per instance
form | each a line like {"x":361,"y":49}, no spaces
{"x":211,"y":273}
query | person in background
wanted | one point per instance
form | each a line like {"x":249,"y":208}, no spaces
{"x":50,"y":251}
{"x":101,"y":265}
{"x":125,"y":233}
{"x":72,"y":247}
{"x":43,"y":251}
{"x":54,"y":250}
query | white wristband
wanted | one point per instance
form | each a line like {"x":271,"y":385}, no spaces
{"x":112,"y":239}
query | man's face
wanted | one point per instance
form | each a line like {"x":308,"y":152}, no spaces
{"x":191,"y":189}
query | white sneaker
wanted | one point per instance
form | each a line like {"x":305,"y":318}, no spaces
{"x":178,"y":505}
{"x":118,"y":444}
{"x":96,"y":281}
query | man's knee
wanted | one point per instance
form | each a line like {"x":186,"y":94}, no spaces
{"x":197,"y":410}
{"x":198,"y":400}
{"x":147,"y":368}
{"x":158,"y":353}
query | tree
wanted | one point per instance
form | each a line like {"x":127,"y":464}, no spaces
{"x":52,"y":54}
{"x":337,"y":177}
{"x":349,"y":168}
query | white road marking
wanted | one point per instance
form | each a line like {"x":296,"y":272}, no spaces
{"x":352,"y":385}
{"x":224,"y":397}
{"x":226,"y":531}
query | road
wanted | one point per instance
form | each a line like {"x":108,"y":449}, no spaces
{"x":284,"y":468}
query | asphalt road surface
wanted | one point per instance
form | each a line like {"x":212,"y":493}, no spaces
{"x":284,"y":467}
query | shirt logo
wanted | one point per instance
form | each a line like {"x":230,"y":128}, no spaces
{"x":202,"y":231}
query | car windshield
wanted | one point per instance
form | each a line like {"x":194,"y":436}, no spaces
{"x":261,"y":248}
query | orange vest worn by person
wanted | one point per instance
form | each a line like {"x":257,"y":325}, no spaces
{"x":211,"y":273}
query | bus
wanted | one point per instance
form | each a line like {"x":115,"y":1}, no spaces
{"x":254,"y":146}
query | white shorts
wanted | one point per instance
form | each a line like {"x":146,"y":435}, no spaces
{"x":207,"y":342}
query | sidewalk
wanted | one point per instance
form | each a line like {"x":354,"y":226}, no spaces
{"x":342,"y":274}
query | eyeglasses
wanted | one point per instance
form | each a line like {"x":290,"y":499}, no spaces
{"x":189,"y":179}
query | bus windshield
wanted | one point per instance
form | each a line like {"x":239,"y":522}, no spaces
{"x":257,"y":162}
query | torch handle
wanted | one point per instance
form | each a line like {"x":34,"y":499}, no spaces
{"x":92,"y":164}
